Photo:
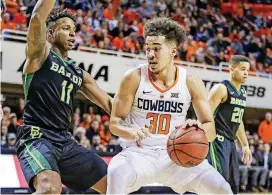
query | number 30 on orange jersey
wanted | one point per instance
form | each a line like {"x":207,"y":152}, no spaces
{"x":162,"y":121}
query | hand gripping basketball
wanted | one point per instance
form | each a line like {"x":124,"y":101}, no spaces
{"x":188,"y":146}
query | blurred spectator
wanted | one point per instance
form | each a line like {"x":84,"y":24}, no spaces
{"x":93,"y":130}
{"x":11,"y":139}
{"x":108,"y":13}
{"x":6,"y":112}
{"x":209,"y":59}
{"x":86,"y":121}
{"x":12,"y":6}
{"x":265,"y":128}
{"x":4,"y":134}
{"x":79,"y":134}
{"x":20,"y":18}
{"x":220,"y":57}
{"x":237,"y":46}
{"x":265,"y":163}
{"x":86,"y":143}
{"x":96,"y":144}
{"x":12,"y":128}
{"x":105,"y":134}
{"x":220,"y":43}
{"x":7,"y":23}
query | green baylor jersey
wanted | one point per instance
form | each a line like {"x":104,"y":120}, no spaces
{"x":229,"y":115}
{"x":49,"y":93}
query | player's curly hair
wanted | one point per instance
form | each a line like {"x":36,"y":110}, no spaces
{"x":236,"y":59}
{"x":167,"y":27}
{"x":56,"y":14}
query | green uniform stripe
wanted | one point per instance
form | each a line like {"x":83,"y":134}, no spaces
{"x":215,"y":161}
{"x":27,"y":78}
{"x":64,"y":61}
{"x":36,"y":160}
{"x":216,"y":110}
{"x":235,"y":89}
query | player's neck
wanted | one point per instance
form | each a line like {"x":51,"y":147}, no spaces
{"x":62,"y":54}
{"x":236,"y":84}
{"x":168,"y":74}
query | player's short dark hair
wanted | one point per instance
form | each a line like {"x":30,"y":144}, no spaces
{"x":56,"y":14}
{"x":236,"y":59}
{"x":162,"y":26}
{"x":3,"y":7}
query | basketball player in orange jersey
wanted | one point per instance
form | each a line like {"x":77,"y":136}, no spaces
{"x":158,"y":95}
{"x":228,"y":101}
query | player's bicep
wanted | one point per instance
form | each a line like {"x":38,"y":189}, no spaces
{"x":122,"y":105}
{"x":200,"y":99}
{"x":37,"y":48}
{"x":94,"y":93}
{"x":36,"y":37}
{"x":125,"y":95}
{"x":217,"y":95}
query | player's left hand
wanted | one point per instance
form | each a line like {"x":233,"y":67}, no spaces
{"x":247,"y":155}
{"x":190,"y":123}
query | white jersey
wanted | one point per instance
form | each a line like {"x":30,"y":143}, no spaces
{"x":165,"y":109}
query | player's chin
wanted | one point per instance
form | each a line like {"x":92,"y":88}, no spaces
{"x":69,"y":47}
{"x":244,"y":80}
{"x":153,"y":69}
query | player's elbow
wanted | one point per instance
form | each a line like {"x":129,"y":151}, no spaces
{"x":113,"y":128}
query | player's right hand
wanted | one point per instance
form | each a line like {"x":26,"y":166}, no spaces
{"x":139,"y":135}
{"x":191,"y":122}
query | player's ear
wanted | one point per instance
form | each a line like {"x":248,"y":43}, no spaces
{"x":50,"y":32}
{"x":231,"y":68}
{"x":174,"y":52}
{"x":49,"y":35}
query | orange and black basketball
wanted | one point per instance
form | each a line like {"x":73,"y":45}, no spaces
{"x":188,"y":147}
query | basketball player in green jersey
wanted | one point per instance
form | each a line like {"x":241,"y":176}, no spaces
{"x":228,"y":101}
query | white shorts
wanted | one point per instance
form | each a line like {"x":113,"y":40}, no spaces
{"x":154,"y":165}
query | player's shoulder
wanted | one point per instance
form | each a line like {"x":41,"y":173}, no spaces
{"x":220,"y":87}
{"x":132,"y":74}
{"x":193,"y":80}
{"x":219,"y":91}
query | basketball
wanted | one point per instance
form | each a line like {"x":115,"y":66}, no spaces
{"x":187,"y":147}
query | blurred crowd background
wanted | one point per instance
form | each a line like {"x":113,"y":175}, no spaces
{"x":216,"y":29}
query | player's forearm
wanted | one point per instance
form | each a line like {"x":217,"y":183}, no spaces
{"x":42,"y":9}
{"x":105,"y":103}
{"x":241,"y":134}
{"x":209,"y":128}
{"x":121,"y":128}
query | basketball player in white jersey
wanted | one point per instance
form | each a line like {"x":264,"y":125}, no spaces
{"x":158,"y":95}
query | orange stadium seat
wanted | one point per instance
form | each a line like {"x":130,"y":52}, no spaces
{"x":226,"y":8}
{"x":257,"y":7}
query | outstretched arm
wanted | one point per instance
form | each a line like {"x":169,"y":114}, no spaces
{"x":37,"y":47}
{"x":91,"y":90}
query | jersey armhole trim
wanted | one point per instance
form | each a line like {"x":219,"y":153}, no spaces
{"x":27,"y":79}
